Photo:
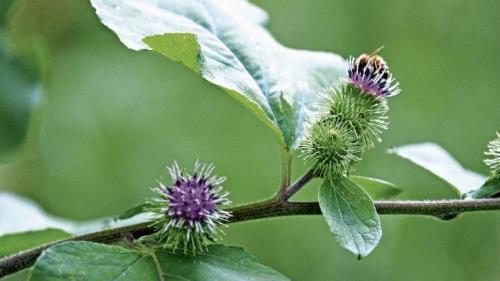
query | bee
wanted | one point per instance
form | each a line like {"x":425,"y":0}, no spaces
{"x":372,"y":64}
{"x":371,"y":74}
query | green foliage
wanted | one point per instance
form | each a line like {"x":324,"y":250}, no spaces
{"x":351,"y":215}
{"x":13,"y":243}
{"x":98,"y":262}
{"x":436,"y":160}
{"x":280,"y":85}
{"x":115,"y":118}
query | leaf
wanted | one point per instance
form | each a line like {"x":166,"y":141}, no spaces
{"x":22,"y":275}
{"x":436,"y":160}
{"x":377,"y":188}
{"x":99,"y":262}
{"x":490,"y":189}
{"x":13,"y":243}
{"x":28,"y":216}
{"x":235,"y":52}
{"x":351,"y":215}
{"x":134,"y":211}
{"x":20,"y":92}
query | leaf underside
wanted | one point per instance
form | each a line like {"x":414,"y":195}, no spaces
{"x":351,"y":215}
{"x":227,"y":44}
{"x":439,"y":162}
{"x":30,"y":217}
{"x":99,"y":262}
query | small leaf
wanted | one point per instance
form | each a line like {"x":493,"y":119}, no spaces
{"x":351,"y":215}
{"x":13,"y":243}
{"x":227,"y":44}
{"x":436,"y":160}
{"x":99,"y":262}
{"x":377,"y":188}
{"x":136,"y":210}
{"x":490,"y":189}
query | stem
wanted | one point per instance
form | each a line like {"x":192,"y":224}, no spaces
{"x":260,"y":210}
{"x":297,"y":185}
{"x":158,"y":267}
{"x":286,"y":169}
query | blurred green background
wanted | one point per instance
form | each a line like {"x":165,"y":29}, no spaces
{"x":111,"y":119}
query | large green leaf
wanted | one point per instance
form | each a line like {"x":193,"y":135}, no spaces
{"x":98,"y":262}
{"x":227,"y":44}
{"x":351,"y":215}
{"x":20,"y":92}
{"x":13,"y":243}
{"x":377,"y":188}
{"x":436,"y":160}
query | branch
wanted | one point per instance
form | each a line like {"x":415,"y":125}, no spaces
{"x":260,"y":210}
{"x":297,"y":185}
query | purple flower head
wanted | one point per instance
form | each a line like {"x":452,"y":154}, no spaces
{"x":371,"y":74}
{"x":189,"y":211}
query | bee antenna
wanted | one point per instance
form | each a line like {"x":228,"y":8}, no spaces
{"x":377,"y":50}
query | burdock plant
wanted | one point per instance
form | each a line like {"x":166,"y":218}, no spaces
{"x":333,"y":110}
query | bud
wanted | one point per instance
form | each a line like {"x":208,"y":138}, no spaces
{"x":494,"y":151}
{"x":188,"y":212}
{"x":362,"y":100}
{"x":367,"y":114}
{"x":332,"y":146}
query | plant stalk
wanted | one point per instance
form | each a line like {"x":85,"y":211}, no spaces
{"x":286,"y":173}
{"x":260,"y":210}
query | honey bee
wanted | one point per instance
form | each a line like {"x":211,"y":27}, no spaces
{"x":375,"y":63}
{"x":371,"y":74}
